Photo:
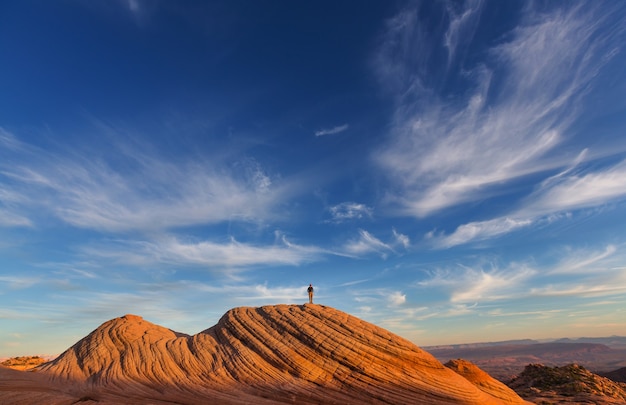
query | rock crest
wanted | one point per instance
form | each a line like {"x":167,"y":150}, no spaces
{"x":305,"y":354}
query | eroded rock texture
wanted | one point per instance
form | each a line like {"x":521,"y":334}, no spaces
{"x":305,"y":354}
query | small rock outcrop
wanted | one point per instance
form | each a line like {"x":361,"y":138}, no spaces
{"x":571,"y":384}
{"x":23,"y":362}
{"x":484,"y":381}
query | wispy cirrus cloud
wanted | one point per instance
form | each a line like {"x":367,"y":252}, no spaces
{"x":576,"y":273}
{"x":332,"y":131}
{"x":519,"y":103}
{"x":462,"y":26}
{"x":225,"y":257}
{"x":469,"y":284}
{"x":19,"y":282}
{"x":366,"y":243}
{"x":349,"y":210}
{"x":260,"y":292}
{"x":613,"y":285}
{"x":583,"y":261}
{"x":566,"y":191}
{"x":378,"y":296}
{"x":8,"y":218}
{"x":578,"y":190}
{"x":134,"y":191}
{"x":401,"y":239}
{"x":477,"y":231}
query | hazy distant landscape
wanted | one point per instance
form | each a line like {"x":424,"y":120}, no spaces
{"x":503,"y":360}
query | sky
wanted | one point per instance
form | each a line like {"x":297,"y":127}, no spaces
{"x":453,"y":171}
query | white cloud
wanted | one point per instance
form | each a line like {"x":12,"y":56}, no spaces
{"x":588,"y":262}
{"x":12,"y":219}
{"x":579,"y":191}
{"x":482,"y":230}
{"x":365,"y":244}
{"x":462,"y":26}
{"x":396,"y":298}
{"x":348,"y":211}
{"x":601,"y":287}
{"x":18,"y":282}
{"x":475,"y":284}
{"x":447,"y":151}
{"x":332,"y":131}
{"x":576,"y":273}
{"x":9,"y":141}
{"x":235,"y":254}
{"x":261,"y":292}
{"x":402,"y":239}
{"x":137,"y":191}
{"x":379,"y":296}
{"x":220,"y":257}
{"x":561,"y":193}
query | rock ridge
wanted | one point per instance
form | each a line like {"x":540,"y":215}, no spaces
{"x":306,"y":354}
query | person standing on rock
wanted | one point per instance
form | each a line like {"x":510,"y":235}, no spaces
{"x":310,"y":291}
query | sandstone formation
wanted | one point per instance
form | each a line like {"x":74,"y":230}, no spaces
{"x":23,"y":362}
{"x":482,"y":380}
{"x":571,"y":384}
{"x":305,"y":354}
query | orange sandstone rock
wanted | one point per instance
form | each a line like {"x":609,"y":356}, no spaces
{"x":305,"y":354}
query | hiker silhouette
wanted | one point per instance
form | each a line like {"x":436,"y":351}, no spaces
{"x":310,"y":291}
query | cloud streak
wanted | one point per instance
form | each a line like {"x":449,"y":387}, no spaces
{"x":578,"y":273}
{"x":332,"y":131}
{"x":348,"y":211}
{"x":136,"y":192}
{"x":366,"y":243}
{"x":224,"y":257}
{"x":520,"y":103}
{"x":564,"y":192}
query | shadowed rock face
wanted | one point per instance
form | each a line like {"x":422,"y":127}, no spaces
{"x":274,"y":354}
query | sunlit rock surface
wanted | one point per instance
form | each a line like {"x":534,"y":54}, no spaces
{"x":305,"y":354}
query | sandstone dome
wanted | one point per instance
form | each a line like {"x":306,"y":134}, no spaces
{"x":305,"y":354}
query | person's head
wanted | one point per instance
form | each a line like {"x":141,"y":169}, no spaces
{"x":310,"y":285}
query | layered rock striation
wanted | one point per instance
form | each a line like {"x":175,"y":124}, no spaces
{"x":305,"y":354}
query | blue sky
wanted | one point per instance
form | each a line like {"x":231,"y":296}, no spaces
{"x":451,"y":171}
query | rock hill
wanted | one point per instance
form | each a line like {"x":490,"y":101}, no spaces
{"x":571,"y":384}
{"x":309,"y":354}
{"x":481,"y":379}
{"x":23,"y":362}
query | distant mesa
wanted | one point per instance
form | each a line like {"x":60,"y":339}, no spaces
{"x":309,"y":354}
